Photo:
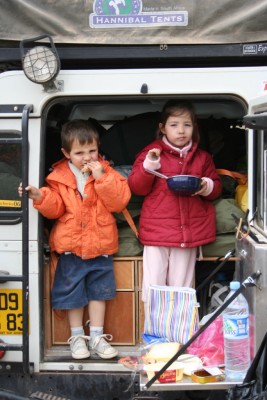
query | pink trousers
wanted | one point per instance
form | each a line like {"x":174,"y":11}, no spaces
{"x":168,"y":266}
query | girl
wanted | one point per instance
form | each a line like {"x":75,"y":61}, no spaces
{"x":173,"y":226}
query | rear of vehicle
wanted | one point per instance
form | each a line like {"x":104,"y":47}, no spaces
{"x":121,"y":89}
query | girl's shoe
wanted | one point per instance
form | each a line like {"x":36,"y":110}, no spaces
{"x":79,"y":347}
{"x":102,"y":347}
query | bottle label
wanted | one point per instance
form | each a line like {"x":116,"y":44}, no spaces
{"x":236,"y":327}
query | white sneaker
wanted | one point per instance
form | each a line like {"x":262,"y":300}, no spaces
{"x":78,"y":346}
{"x":102,"y":347}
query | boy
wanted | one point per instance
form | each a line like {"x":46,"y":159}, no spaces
{"x":82,"y":192}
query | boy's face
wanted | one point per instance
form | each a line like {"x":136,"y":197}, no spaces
{"x":81,"y":154}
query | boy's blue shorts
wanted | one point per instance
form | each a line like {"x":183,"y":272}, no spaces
{"x":78,"y":281}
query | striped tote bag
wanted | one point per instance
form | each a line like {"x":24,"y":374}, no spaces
{"x":171,"y":313}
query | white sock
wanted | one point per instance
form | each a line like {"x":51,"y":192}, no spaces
{"x":77,"y":331}
{"x":96,"y":331}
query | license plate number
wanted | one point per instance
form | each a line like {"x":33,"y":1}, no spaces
{"x":11,"y":311}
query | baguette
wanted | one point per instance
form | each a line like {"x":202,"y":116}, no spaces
{"x":162,"y":352}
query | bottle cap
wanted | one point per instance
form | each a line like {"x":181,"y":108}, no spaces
{"x":234,"y":285}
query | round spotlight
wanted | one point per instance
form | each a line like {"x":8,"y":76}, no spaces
{"x":40,"y":64}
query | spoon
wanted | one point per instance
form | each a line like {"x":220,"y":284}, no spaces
{"x":151,"y":171}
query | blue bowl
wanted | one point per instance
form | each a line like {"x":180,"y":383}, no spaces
{"x":184,"y":185}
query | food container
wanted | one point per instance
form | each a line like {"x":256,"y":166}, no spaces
{"x":184,"y":185}
{"x":203,"y":376}
{"x":191,"y":363}
{"x":173,"y":373}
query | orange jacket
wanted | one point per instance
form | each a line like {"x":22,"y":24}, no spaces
{"x":84,"y":226}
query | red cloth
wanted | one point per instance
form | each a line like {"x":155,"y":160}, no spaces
{"x":168,"y":219}
{"x":209,"y":344}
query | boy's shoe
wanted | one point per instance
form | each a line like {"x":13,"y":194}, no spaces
{"x":79,"y":347}
{"x":102,"y":347}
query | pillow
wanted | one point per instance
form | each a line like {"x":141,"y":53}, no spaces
{"x":129,"y":245}
{"x":225,"y":223}
{"x":124,"y":170}
{"x":129,"y":136}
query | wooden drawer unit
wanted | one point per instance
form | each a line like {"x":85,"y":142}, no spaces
{"x":124,"y":271}
{"x":124,"y":314}
{"x":120,"y":319}
{"x":139,"y":274}
{"x":60,"y":327}
{"x":141,"y":316}
{"x":120,"y":312}
{"x":141,"y":312}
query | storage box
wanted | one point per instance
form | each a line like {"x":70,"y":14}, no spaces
{"x":173,"y":373}
{"x":203,"y":376}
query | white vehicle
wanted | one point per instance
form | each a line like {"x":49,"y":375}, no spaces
{"x":122,"y":92}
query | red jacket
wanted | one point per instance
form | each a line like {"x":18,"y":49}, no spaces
{"x":168,"y":219}
{"x":84,"y":226}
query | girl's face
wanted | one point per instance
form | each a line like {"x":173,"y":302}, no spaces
{"x":81,"y":154}
{"x":178,"y":129}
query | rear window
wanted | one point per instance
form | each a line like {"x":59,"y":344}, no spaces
{"x":10,"y":171}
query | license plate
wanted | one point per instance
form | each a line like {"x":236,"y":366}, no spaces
{"x":11,"y":311}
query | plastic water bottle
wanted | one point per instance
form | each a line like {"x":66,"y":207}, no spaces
{"x":236,"y":336}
